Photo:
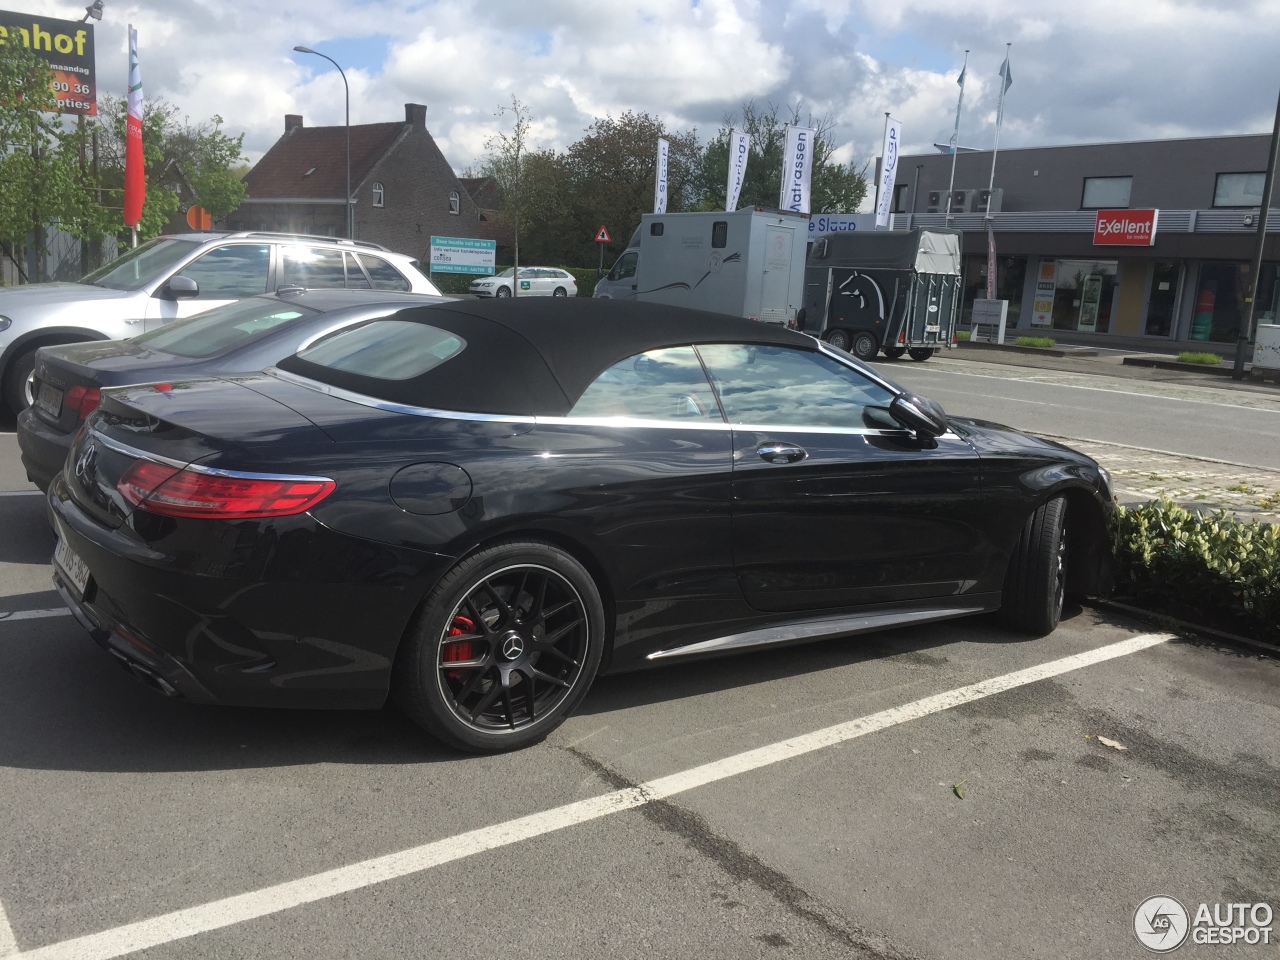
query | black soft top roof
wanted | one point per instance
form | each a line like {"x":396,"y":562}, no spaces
{"x":536,"y":356}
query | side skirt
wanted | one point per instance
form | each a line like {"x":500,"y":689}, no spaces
{"x":818,"y":628}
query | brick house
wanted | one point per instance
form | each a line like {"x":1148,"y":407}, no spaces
{"x":403,"y":188}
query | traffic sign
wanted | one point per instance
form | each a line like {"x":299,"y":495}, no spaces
{"x":198,"y":218}
{"x":602,"y":235}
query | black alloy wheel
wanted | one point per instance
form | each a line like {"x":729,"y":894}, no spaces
{"x":560,"y":292}
{"x":502,"y":292}
{"x":1035,"y":586}
{"x":895,"y":353}
{"x":921,"y":353}
{"x":865,"y":346}
{"x":839,"y":339}
{"x":505,"y":648}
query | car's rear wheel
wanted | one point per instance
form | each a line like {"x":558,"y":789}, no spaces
{"x":20,"y":382}
{"x":504,"y":648}
{"x":1035,"y":585}
{"x":921,"y":353}
{"x":560,"y":292}
{"x":502,"y":292}
{"x":895,"y":353}
{"x":839,"y":339}
{"x":865,"y":345}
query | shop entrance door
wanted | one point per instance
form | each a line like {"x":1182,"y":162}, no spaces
{"x":1162,"y":299}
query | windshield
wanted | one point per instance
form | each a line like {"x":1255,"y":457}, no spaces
{"x":139,"y":267}
{"x":224,"y":328}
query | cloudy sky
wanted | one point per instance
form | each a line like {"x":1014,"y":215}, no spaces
{"x":1084,"y":70}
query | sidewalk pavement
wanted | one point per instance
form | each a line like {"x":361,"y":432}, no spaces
{"x":1108,"y":363}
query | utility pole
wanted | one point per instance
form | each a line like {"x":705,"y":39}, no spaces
{"x":1245,"y":335}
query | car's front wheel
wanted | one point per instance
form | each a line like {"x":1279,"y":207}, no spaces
{"x":502,"y":292}
{"x":1035,"y":585}
{"x":504,"y":648}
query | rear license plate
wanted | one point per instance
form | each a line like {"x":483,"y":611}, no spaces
{"x":72,"y":567}
{"x":49,"y":399}
{"x":933,"y":328}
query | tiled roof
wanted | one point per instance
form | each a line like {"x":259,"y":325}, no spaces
{"x":282,"y":172}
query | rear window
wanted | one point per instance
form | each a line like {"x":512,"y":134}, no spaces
{"x":224,"y":328}
{"x":385,"y":349}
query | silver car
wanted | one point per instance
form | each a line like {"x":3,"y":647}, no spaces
{"x":177,"y":276}
{"x":534,"y":282}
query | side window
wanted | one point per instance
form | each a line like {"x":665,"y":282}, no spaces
{"x":658,"y":385}
{"x":231,"y":272}
{"x":383,"y":274}
{"x":625,"y":267}
{"x":719,"y":233}
{"x":379,"y":195}
{"x":783,"y":386}
{"x":313,"y":268}
{"x":455,"y":202}
{"x":356,"y":280}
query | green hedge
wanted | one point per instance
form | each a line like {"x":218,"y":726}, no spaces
{"x":452,"y":284}
{"x":1212,"y":570}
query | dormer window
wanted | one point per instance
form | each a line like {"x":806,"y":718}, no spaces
{"x":455,"y":202}
{"x":377,"y":195}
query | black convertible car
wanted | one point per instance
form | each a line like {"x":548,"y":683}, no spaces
{"x":477,"y":507}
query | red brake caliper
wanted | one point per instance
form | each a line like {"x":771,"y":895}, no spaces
{"x":458,"y":650}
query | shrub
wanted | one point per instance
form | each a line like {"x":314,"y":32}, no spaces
{"x":1213,"y":569}
{"x":962,"y":334}
{"x":1208,"y":359}
{"x":1044,"y":342}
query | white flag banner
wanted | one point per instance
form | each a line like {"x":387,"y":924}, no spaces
{"x":888,"y":170}
{"x":660,"y":179}
{"x":797,"y":170}
{"x":739,"y":147}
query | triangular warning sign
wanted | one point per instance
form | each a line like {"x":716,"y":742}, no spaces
{"x":602,"y":235}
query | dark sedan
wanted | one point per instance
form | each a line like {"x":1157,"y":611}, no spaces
{"x":245,"y":335}
{"x":476,"y":507}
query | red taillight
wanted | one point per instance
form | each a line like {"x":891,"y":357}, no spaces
{"x":902,"y":335}
{"x":174,"y":492}
{"x":83,"y":400}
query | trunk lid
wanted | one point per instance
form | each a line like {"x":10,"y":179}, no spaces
{"x":174,"y":424}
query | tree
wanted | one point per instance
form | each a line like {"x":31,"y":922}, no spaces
{"x":835,"y":187}
{"x":506,"y":163}
{"x":186,"y":164}
{"x":612,"y":171}
{"x":41,"y":161}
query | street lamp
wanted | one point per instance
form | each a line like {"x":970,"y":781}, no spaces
{"x":350,"y":230}
{"x":93,"y":10}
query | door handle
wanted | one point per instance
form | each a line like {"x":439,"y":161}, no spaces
{"x":136,"y":320}
{"x":781,"y":452}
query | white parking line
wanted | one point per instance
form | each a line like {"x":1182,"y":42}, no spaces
{"x":191,"y":921}
{"x":33,"y":615}
{"x":8,"y":945}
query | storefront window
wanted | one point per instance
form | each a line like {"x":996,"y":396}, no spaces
{"x":1011,"y":272}
{"x":1220,"y":300}
{"x":1083,"y":295}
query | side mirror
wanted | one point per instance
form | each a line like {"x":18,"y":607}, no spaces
{"x":180,"y":288}
{"x":919,"y":414}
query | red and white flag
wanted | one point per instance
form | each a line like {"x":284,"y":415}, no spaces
{"x":135,"y":177}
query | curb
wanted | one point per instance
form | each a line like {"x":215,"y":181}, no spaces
{"x":1151,"y":616}
{"x":1218,"y":369}
{"x":1064,"y":351}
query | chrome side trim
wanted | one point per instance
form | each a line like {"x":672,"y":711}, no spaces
{"x":390,"y":407}
{"x":633,"y":422}
{"x":815,"y":629}
{"x":137,"y":454}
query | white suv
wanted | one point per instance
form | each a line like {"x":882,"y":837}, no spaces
{"x":177,"y":276}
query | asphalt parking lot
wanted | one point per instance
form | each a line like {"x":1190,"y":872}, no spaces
{"x":796,"y":803}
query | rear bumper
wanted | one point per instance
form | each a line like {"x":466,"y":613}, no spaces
{"x":44,"y":449}
{"x":174,"y":618}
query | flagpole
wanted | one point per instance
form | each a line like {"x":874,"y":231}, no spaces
{"x":955,"y":137}
{"x":1004,"y":86}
